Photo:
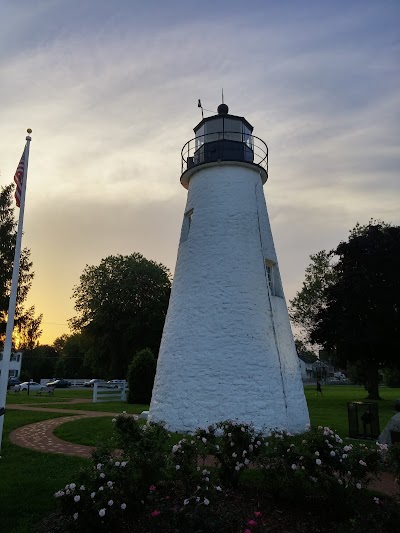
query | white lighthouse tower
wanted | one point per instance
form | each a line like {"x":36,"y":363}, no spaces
{"x":227,"y":350}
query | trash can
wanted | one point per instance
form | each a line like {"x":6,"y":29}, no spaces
{"x":363,"y":420}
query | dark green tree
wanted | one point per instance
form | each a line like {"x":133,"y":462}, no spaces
{"x":311,"y":298}
{"x":25,"y":322}
{"x":39,"y":363}
{"x":121,"y":306}
{"x":71,"y":360}
{"x":360,"y":317}
{"x":141,"y":374}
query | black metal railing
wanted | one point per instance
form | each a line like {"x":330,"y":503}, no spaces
{"x":224,"y":146}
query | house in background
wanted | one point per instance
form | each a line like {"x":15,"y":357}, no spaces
{"x":306,"y":365}
{"x":15,"y":364}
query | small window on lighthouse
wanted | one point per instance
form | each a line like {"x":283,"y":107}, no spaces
{"x":187,"y":221}
{"x":269,"y":266}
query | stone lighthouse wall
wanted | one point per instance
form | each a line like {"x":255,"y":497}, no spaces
{"x":227,"y":350}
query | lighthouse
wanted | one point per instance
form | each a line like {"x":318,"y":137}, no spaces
{"x":227,"y":350}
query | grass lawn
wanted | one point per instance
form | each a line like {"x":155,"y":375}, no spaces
{"x":28,"y":479}
{"x":331,"y":408}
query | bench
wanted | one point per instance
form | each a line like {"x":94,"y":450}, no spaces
{"x":45,"y":390}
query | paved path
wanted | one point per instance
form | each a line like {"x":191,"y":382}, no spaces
{"x":39,"y":435}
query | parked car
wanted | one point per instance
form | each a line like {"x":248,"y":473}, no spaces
{"x":12,"y":382}
{"x":33,"y":386}
{"x":115,"y":383}
{"x":91,"y":382}
{"x":59,"y":383}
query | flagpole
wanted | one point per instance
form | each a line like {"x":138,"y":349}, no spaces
{"x":13,"y":295}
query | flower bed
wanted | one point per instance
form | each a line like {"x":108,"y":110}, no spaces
{"x":313,"y":481}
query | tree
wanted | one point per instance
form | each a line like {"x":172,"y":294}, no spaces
{"x":39,"y":363}
{"x":312,"y":297}
{"x":27,"y":325}
{"x":121,"y":306}
{"x":71,"y":357}
{"x":360,"y":316}
{"x":141,"y":374}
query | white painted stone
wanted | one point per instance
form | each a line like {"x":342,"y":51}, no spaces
{"x":227,"y":350}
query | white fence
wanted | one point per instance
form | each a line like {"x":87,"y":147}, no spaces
{"x":101,"y":394}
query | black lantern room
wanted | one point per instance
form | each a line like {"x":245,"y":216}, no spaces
{"x":223,"y":138}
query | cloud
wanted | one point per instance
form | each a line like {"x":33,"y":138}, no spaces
{"x":111,"y":94}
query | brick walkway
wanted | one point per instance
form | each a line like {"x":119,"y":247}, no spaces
{"x":39,"y":436}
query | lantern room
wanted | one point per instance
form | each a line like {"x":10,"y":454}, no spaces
{"x":223,"y":138}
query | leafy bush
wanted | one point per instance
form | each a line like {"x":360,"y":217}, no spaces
{"x":168,"y":488}
{"x":141,"y":373}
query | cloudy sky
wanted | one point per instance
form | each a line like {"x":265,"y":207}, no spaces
{"x":110,"y":90}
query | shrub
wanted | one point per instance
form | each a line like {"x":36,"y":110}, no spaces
{"x":141,"y":373}
{"x":161,"y":487}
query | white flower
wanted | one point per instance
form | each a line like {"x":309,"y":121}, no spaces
{"x":318,"y":461}
{"x":109,"y":484}
{"x":246,"y":461}
{"x":204,"y":440}
{"x":76,"y":516}
{"x":123,"y":463}
{"x":304,"y":442}
{"x":237,"y":468}
{"x":77,"y":498}
{"x":117,"y":463}
{"x":177,"y":467}
{"x":102,"y":475}
{"x":377,"y":500}
{"x":340,"y":482}
{"x":102,"y":512}
{"x":206,"y":502}
{"x":234,"y":455}
{"x":229,"y":434}
{"x":362,"y":463}
{"x":59,"y":493}
{"x":250,"y":447}
{"x":197,"y":499}
{"x":232,"y":443}
{"x":175,"y":448}
{"x":244,"y":453}
{"x":205,"y":472}
{"x":110,"y":502}
{"x":99,"y":466}
{"x":294,"y":467}
{"x":243,"y":429}
{"x":67,"y":491}
{"x":185,"y":502}
{"x":344,"y":456}
{"x":358,"y":486}
{"x":82,"y":487}
{"x":93,"y":495}
{"x":218,"y":488}
{"x":259,"y":443}
{"x":113,"y":420}
{"x":332,"y":454}
{"x":317,"y":454}
{"x":207,"y":479}
{"x":101,"y":488}
{"x":123,"y":506}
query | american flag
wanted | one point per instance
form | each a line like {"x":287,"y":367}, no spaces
{"x":19,"y":178}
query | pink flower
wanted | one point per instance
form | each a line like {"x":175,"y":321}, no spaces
{"x":252,"y":522}
{"x":247,"y":531}
{"x":152,"y":488}
{"x":155,"y":513}
{"x":257,"y":514}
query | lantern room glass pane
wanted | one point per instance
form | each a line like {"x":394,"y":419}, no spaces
{"x":233,"y":129}
{"x":212,"y":129}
